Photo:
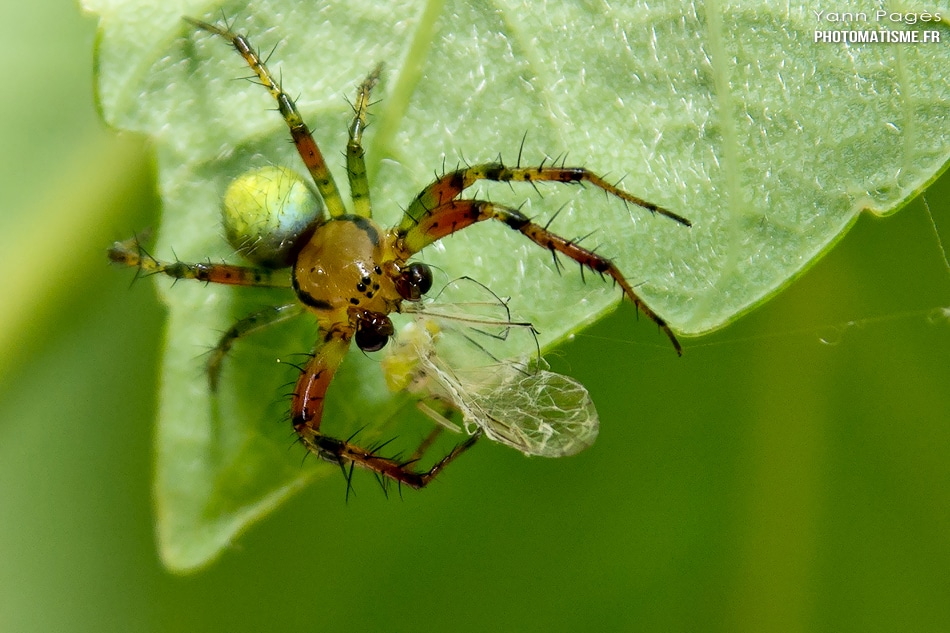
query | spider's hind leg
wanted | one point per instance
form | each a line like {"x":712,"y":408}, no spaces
{"x":131,"y":253}
{"x":355,"y":160}
{"x":307,"y":147}
{"x":250,"y":324}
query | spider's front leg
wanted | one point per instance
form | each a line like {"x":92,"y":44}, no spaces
{"x":306,"y":413}
{"x":450,"y":185}
{"x":454,"y":215}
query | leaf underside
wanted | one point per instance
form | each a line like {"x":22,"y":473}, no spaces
{"x":770,"y":143}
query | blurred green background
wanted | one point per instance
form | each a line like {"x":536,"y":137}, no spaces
{"x":790,"y":472}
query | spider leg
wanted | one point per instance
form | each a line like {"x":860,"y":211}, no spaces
{"x":450,"y":185}
{"x":425,"y":444}
{"x":454,"y":215}
{"x":306,"y":146}
{"x":306,"y":412}
{"x":248,"y":325}
{"x":355,"y":162}
{"x":131,"y":253}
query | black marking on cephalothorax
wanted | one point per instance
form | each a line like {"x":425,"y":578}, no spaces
{"x":306,"y":298}
{"x":364,"y":224}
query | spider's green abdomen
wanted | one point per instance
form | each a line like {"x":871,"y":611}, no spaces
{"x":267,"y":214}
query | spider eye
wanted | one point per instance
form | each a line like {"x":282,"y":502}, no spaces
{"x":373,"y":331}
{"x":414,"y":281}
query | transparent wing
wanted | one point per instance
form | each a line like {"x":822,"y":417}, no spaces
{"x":538,"y":412}
{"x":455,"y":353}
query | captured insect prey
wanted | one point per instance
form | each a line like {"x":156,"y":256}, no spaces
{"x":350,"y":274}
{"x":452,"y":354}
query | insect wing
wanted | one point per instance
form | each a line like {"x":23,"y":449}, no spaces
{"x":538,"y":412}
{"x":515,"y":402}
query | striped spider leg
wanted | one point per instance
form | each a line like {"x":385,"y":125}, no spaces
{"x":346,"y":270}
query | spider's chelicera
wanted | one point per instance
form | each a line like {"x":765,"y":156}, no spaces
{"x":351,"y":274}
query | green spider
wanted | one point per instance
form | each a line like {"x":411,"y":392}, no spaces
{"x":350,"y":273}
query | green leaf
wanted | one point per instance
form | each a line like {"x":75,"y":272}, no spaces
{"x":733,"y":116}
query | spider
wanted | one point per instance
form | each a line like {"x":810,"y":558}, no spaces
{"x":350,"y":273}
